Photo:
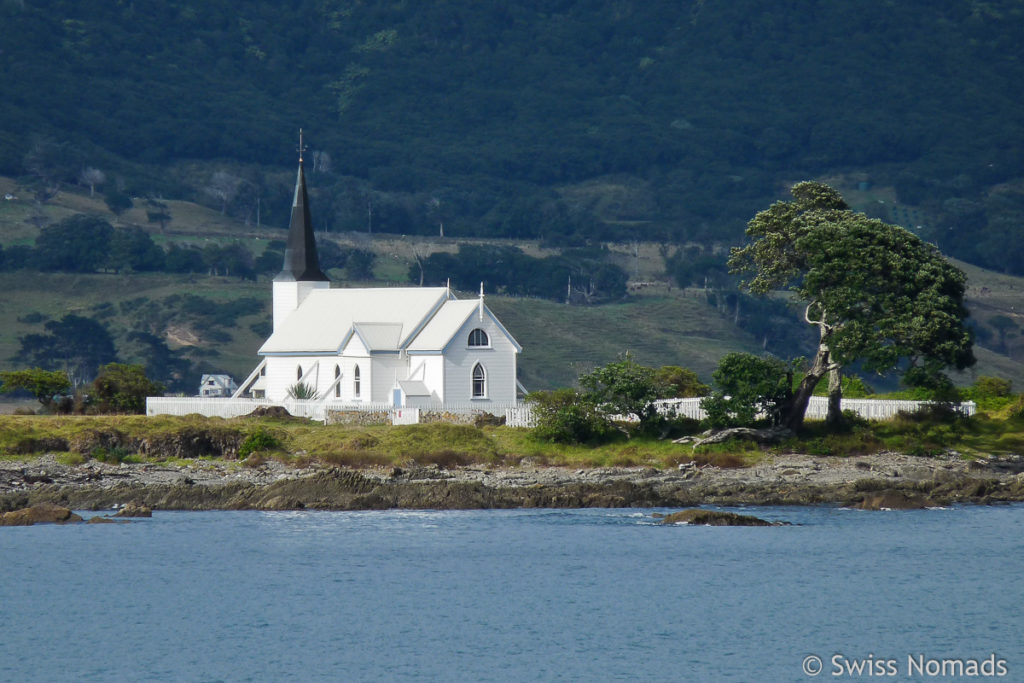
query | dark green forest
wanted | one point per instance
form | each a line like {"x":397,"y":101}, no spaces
{"x":571,"y":121}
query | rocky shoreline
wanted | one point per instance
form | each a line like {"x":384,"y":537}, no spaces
{"x":872,"y":481}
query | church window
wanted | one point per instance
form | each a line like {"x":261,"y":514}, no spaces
{"x":337,"y":382}
{"x":298,"y":372}
{"x":478,"y":338}
{"x":355,"y":382}
{"x":479,"y":381}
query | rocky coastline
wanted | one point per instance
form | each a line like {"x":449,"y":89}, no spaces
{"x":878,"y":481}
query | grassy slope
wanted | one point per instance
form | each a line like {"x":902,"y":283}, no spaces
{"x":561,"y":341}
{"x":661,"y":327}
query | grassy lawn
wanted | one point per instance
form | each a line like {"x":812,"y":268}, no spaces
{"x":300,"y":442}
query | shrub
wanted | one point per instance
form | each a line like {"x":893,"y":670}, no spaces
{"x":260,"y":439}
{"x":623,"y":387}
{"x":565,"y":416}
{"x":672,"y":381}
{"x":123,"y":388}
{"x":990,"y":387}
{"x":748,"y":386}
{"x":301,"y":391}
{"x":113,"y":455}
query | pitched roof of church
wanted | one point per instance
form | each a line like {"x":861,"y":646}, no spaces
{"x":438,"y":333}
{"x":327,"y":317}
{"x":300,"y":260}
{"x":384,"y":319}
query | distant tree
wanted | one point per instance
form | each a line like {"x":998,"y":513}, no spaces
{"x":359,"y":265}
{"x":161,"y":363}
{"x":45,"y":385}
{"x":223,"y":187}
{"x":330,"y":254}
{"x":184,"y":260}
{"x":269,"y":262}
{"x":231,"y":259}
{"x":133,"y":249}
{"x":875,"y":292}
{"x":748,"y":387}
{"x":120,"y":388}
{"x":92,"y":177}
{"x":19,"y":256}
{"x":623,"y":387}
{"x":51,"y":163}
{"x":158,"y":212}
{"x":74,"y":344}
{"x":117,"y":200}
{"x":77,"y":244}
{"x":672,"y":381}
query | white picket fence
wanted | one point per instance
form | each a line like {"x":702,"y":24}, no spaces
{"x":516,"y":414}
{"x":817,"y":409}
{"x":318,"y":409}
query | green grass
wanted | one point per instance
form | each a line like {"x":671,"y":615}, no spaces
{"x":299,"y":442}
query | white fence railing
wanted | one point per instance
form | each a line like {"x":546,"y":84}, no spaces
{"x":817,"y":409}
{"x":210,"y":407}
{"x":319,"y":409}
{"x":516,"y":414}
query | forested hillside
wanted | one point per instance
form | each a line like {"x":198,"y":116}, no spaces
{"x":564,"y":120}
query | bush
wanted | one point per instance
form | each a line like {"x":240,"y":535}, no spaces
{"x":990,"y":387}
{"x":260,"y":439}
{"x":565,"y":416}
{"x":123,"y":388}
{"x":748,"y":386}
{"x":672,"y":381}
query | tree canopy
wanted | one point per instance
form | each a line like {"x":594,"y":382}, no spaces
{"x":74,"y":344}
{"x":120,"y":388}
{"x":877,"y":293}
{"x":43,"y":384}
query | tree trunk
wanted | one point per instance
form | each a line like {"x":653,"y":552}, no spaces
{"x":835,"y":398}
{"x":794,"y":419}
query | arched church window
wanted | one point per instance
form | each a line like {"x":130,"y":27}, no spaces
{"x":337,"y":384}
{"x":479,"y":381}
{"x":355,"y":382}
{"x":298,"y":372}
{"x":478,"y":338}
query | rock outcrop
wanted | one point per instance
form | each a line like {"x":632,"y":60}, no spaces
{"x":41,"y":513}
{"x":699,"y":517}
{"x":134,"y":509}
{"x":877,"y":480}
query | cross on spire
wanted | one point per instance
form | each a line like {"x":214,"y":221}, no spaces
{"x":302,"y":147}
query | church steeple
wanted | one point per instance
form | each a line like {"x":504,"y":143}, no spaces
{"x":300,"y":259}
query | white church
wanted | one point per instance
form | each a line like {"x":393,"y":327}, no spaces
{"x":401,"y":346}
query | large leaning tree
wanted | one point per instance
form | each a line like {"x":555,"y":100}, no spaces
{"x":876,"y":293}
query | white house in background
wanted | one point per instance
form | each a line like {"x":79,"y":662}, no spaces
{"x":217,"y":386}
{"x":405,"y":346}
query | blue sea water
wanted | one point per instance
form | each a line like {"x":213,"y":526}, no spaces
{"x":569,"y":595}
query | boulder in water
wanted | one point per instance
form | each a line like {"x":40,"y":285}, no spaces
{"x":134,"y":509}
{"x":43,"y":513}
{"x":699,"y":517}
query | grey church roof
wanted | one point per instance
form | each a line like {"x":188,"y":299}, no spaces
{"x":300,"y":260}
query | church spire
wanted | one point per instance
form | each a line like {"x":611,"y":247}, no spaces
{"x":300,"y":260}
